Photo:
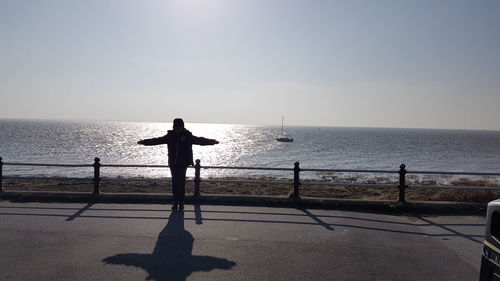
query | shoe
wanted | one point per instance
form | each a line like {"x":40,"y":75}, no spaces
{"x":181,"y":206}
{"x":174,"y":207}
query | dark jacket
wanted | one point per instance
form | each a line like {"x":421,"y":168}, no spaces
{"x":180,"y":150}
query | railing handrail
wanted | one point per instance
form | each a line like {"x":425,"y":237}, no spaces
{"x":259,"y":168}
{"x":46,"y":178}
{"x":273,"y":182}
{"x":46,"y":164}
{"x":246,"y":168}
{"x":350,"y":171}
{"x":453,"y":173}
{"x":134,"y":166}
{"x":296,"y":176}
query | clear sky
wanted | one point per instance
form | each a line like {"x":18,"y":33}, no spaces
{"x":373,"y":63}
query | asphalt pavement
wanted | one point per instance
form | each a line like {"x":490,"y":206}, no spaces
{"x":79,"y":241}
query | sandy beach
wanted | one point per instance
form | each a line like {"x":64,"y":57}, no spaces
{"x":134,"y":185}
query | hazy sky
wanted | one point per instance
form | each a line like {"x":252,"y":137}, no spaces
{"x":407,"y":63}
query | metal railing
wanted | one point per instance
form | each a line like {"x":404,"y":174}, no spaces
{"x":295,"y":184}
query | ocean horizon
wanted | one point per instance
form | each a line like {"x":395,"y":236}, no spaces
{"x":98,"y":120}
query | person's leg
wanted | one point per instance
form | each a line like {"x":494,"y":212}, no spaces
{"x":181,"y":185}
{"x":175,"y":184}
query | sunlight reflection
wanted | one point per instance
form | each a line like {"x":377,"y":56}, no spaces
{"x":240,"y":145}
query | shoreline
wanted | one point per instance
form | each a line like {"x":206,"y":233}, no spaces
{"x":162,"y":186}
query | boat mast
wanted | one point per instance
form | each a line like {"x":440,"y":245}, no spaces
{"x":282,"y":118}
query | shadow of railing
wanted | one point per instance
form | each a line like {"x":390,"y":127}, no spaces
{"x":267,"y":217}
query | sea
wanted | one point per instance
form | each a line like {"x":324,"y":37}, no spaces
{"x":79,"y":142}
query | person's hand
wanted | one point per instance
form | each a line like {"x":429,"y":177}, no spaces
{"x":140,"y":142}
{"x":216,"y":142}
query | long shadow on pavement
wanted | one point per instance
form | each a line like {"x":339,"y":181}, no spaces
{"x":447,"y":231}
{"x":172,"y":258}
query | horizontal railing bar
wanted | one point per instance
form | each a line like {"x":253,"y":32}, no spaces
{"x":244,"y":181}
{"x":141,"y":179}
{"x":455,"y":187}
{"x":349,"y":171}
{"x":46,"y":165}
{"x":45,"y":178}
{"x":453,"y":173}
{"x":246,"y":168}
{"x":350,"y":184}
{"x":133,"y":166}
{"x":256,"y":168}
{"x":85,"y":179}
{"x":268,"y":182}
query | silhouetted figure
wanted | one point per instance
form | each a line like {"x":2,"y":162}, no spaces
{"x":172,"y":257}
{"x":180,"y":156}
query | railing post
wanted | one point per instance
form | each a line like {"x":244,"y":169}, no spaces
{"x":402,"y":183}
{"x":197,"y":180}
{"x":296,"y":180}
{"x":97,"y":176}
{"x":1,"y":175}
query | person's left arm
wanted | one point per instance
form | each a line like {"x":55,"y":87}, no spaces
{"x":203,"y":141}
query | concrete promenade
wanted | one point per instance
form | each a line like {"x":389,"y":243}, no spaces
{"x":80,"y":241}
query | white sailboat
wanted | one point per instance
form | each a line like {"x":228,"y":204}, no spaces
{"x":283,"y":138}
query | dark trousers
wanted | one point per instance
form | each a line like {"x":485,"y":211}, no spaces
{"x":178,"y":183}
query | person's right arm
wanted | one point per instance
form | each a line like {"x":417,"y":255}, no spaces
{"x":154,"y":141}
